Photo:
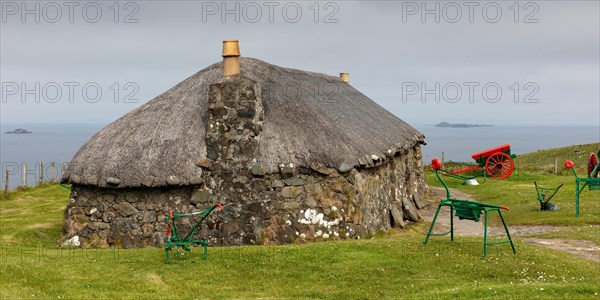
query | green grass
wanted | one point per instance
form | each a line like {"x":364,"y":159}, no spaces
{"x":33,"y":215}
{"x":378,"y":268}
{"x":390,"y":265}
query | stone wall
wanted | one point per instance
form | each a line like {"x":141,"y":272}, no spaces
{"x":296,"y":204}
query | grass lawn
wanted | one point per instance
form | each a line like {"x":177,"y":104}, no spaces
{"x":393,"y":264}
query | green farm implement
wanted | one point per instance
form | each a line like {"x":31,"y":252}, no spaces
{"x":592,"y":181}
{"x":496,"y":162}
{"x":176,"y":241}
{"x":466,"y":210}
{"x":544,"y":195}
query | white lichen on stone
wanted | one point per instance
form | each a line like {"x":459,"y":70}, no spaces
{"x":72,"y":242}
{"x":312,"y":217}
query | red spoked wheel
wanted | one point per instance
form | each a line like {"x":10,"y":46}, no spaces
{"x":592,"y":162}
{"x":499,"y":165}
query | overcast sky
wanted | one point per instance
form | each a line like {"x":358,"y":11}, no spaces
{"x":542,"y":56}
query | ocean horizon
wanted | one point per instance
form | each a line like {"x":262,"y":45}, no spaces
{"x":59,"y":142}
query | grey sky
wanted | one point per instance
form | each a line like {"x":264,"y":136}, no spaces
{"x":556,"y":59}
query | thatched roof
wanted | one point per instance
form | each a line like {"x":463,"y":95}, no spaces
{"x":309,"y":117}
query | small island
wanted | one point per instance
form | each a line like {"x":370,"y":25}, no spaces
{"x":459,"y":125}
{"x":18,"y":131}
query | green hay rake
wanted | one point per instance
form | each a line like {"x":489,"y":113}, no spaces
{"x":592,"y":181}
{"x":544,"y":195}
{"x":466,"y":210}
{"x":176,"y":241}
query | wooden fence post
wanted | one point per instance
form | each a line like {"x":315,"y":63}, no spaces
{"x":555,"y":165}
{"x":41,"y":173}
{"x":6,"y":185}
{"x":53,"y":170}
{"x":442,"y":158}
{"x":25,"y":174}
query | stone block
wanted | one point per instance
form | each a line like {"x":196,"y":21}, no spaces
{"x":398,"y":217}
{"x":149,"y":217}
{"x":277,"y":183}
{"x":419,"y":201}
{"x":107,"y":217}
{"x":196,"y":180}
{"x":95,"y":226}
{"x":125,"y":209}
{"x":113,"y":180}
{"x":173,"y":180}
{"x":410,"y":210}
{"x":200,"y":196}
{"x":291,"y":191}
{"x":204,"y":163}
{"x":293,"y":181}
{"x":147,"y":181}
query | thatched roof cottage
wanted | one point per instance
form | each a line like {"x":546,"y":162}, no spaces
{"x":293,"y":155}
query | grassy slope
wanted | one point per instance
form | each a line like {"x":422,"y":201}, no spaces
{"x":396,"y":266}
{"x":543,"y":161}
{"x":33,"y":215}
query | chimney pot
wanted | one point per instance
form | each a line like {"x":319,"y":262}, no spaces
{"x":231,"y":58}
{"x":345,"y":77}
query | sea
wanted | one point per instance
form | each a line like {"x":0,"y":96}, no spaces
{"x":53,"y":145}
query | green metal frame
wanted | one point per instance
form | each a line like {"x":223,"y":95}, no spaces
{"x":543,"y":192}
{"x":174,"y":239}
{"x":470,"y":210}
{"x":592,"y":182}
